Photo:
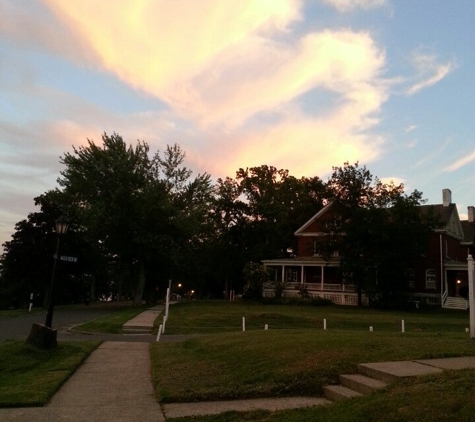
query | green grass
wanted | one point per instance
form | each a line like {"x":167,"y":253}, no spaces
{"x":295,"y":356}
{"x":113,"y":322}
{"x":208,"y":317}
{"x":30,"y":376}
{"x":443,"y":398}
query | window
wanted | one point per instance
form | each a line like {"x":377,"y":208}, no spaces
{"x":317,"y":249}
{"x":430,"y":279}
{"x":410,"y":277}
{"x":291,"y":276}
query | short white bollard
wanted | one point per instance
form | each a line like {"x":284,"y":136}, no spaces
{"x":324,"y":324}
{"x":467,"y":330}
{"x":159,"y":332}
{"x":243,"y":323}
{"x":402,"y":326}
{"x":266,"y":327}
{"x":371,"y":328}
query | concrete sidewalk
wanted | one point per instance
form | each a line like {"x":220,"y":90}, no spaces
{"x":143,"y":322}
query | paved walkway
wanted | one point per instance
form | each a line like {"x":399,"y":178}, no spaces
{"x":143,"y":322}
{"x":114,"y":385}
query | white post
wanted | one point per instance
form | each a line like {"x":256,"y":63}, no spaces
{"x":266,"y":327}
{"x":402,"y":326}
{"x":31,"y":302}
{"x":324,"y":323}
{"x":159,"y":332}
{"x":164,"y":323}
{"x":243,"y":323}
{"x":471,"y":297}
{"x":371,"y":328}
{"x":167,"y":301}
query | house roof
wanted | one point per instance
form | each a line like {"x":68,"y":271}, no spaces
{"x":468,"y":229}
{"x":305,"y":260}
{"x":299,"y":231}
{"x":448,"y":217}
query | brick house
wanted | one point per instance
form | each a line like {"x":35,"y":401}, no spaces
{"x":439,"y":278}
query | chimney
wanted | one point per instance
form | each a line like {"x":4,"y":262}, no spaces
{"x":446,"y":197}
{"x":470,"y":214}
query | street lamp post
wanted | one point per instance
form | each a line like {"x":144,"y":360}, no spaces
{"x":43,"y":336}
{"x":62,"y":225}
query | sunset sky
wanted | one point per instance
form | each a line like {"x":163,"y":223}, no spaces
{"x":301,"y":85}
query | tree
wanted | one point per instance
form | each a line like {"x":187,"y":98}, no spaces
{"x":27,"y":260}
{"x":257,"y":214}
{"x":379,"y":231}
{"x":141,"y":209}
{"x":255,"y":276}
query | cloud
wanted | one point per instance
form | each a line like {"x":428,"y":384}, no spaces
{"x":461,"y":162}
{"x":429,"y":71}
{"x":348,"y":5}
{"x":410,"y":128}
{"x":234,"y":75}
{"x":219,"y":65}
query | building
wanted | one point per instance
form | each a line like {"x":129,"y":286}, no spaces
{"x":440,"y":277}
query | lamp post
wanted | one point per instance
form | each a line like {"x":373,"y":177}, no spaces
{"x":62,"y":225}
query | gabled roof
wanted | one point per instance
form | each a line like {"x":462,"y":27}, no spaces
{"x":448,"y":216}
{"x":468,"y":229}
{"x":299,"y":231}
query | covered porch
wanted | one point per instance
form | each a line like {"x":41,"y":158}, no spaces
{"x":311,"y":277}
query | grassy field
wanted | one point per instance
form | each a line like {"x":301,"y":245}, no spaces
{"x":295,"y":356}
{"x":30,"y":376}
{"x":113,"y":322}
{"x":219,"y":316}
{"x":443,"y":398}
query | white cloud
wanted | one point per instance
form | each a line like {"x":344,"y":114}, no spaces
{"x":218,"y":65}
{"x":429,"y":71}
{"x":348,"y":5}
{"x":461,"y":162}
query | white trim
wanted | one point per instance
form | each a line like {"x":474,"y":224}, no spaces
{"x":311,"y":220}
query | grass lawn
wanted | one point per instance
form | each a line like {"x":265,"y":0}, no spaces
{"x":113,"y":322}
{"x":220,"y":316}
{"x":30,"y":376}
{"x":297,"y":357}
{"x":443,"y":398}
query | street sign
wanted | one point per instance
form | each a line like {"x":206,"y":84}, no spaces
{"x":66,"y":258}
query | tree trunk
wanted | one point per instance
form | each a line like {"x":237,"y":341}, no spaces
{"x":140,"y":285}
{"x":92,"y":291}
{"x":226,"y":288}
{"x":42,"y":337}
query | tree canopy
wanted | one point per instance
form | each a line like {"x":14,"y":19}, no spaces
{"x":140,"y":219}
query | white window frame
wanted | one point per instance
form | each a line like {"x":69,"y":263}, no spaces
{"x":431,"y":278}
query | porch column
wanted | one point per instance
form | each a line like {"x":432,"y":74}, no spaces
{"x":283,"y":273}
{"x":322,"y":268}
{"x":301,"y":274}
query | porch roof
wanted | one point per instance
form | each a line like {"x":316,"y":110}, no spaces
{"x":309,"y":261}
{"x":452,"y":264}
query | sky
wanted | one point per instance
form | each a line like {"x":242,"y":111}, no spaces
{"x":299,"y":85}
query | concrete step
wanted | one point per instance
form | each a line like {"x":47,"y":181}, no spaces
{"x":338,"y":392}
{"x":377,"y":373}
{"x":456,"y":303}
{"x":136,"y":330}
{"x":361,"y":383}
